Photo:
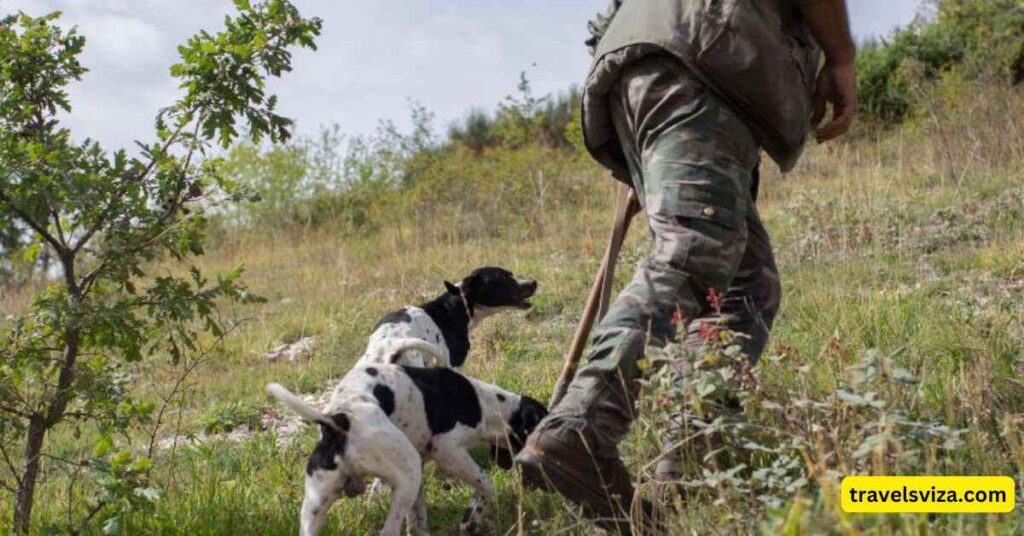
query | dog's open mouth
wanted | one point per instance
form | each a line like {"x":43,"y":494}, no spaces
{"x":527,"y":288}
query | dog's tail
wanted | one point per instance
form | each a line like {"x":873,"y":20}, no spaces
{"x":401,"y":346}
{"x":300,"y":406}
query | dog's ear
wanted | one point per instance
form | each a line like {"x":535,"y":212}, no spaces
{"x":501,"y":456}
{"x":522,"y":423}
{"x":452,"y":287}
{"x":530,"y":413}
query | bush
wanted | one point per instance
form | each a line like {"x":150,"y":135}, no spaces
{"x":977,"y":39}
{"x":464,"y":186}
{"x":522,"y":119}
{"x":498,"y":191}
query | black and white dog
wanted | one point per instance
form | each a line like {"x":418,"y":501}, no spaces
{"x":436,"y":333}
{"x":446,"y":321}
{"x":384,"y":420}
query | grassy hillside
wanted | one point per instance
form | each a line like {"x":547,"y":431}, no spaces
{"x":909,"y":241}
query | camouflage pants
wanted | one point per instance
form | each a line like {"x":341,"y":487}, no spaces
{"x":694,"y":165}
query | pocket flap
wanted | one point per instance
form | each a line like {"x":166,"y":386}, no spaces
{"x":711,"y":212}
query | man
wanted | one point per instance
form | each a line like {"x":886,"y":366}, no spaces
{"x":681,"y":98}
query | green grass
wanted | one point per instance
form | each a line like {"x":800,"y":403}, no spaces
{"x":876,"y":251}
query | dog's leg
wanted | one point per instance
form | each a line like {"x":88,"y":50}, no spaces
{"x":386,"y":453}
{"x":418,"y":516}
{"x":405,"y":475}
{"x":322,"y":489}
{"x":459,"y":464}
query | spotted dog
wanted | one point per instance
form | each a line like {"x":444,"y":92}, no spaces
{"x":445,"y":324}
{"x":446,"y":321}
{"x":385,"y":420}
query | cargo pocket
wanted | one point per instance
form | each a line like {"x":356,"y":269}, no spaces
{"x":709,"y":214}
{"x":705,"y":197}
{"x":717,"y":238}
{"x":701,"y":233}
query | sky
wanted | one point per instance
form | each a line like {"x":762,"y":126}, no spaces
{"x":374,"y":56}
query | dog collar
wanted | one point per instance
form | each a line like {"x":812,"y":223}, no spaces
{"x":465,"y":305}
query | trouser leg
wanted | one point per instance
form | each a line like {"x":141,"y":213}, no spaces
{"x":748,"y":309}
{"x":753,"y":297}
{"x":692,"y":160}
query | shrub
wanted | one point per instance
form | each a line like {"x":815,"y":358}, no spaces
{"x":522,"y":119}
{"x":107,"y":219}
{"x":769,"y":449}
{"x":978,"y":39}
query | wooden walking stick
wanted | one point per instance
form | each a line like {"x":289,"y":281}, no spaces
{"x":626,"y":207}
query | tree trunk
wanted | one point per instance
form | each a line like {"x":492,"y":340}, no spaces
{"x":37,"y":427}
{"x":26,"y":491}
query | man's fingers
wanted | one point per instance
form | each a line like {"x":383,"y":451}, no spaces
{"x":831,"y":131}
{"x":841,"y":124}
{"x":837,"y":127}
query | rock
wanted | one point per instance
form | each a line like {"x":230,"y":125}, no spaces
{"x":292,"y":352}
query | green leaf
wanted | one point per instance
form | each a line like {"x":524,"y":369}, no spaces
{"x":103,"y":445}
{"x":150,"y":494}
{"x":112,"y":526}
{"x":905,"y":377}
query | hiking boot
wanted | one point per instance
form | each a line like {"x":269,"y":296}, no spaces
{"x":565,"y":461}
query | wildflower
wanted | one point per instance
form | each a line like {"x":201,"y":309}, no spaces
{"x":708,"y":331}
{"x":712,"y":360}
{"x":715,"y":299}
{"x":677,"y":318}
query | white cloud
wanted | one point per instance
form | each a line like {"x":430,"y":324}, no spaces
{"x":123,"y":42}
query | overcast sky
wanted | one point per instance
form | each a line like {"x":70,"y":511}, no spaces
{"x":375,"y":55}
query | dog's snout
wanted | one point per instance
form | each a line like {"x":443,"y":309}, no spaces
{"x":528,"y":285}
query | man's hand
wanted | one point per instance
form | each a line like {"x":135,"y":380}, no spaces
{"x":837,"y":85}
{"x":837,"y":82}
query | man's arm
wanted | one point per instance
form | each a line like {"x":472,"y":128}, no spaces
{"x":837,"y":82}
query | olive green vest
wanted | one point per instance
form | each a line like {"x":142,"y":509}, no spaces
{"x":758,"y":55}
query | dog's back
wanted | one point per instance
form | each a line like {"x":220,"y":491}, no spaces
{"x":430,"y":404}
{"x":446,"y":321}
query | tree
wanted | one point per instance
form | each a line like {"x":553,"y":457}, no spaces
{"x":107,"y":218}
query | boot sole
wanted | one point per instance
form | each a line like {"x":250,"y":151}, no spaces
{"x":544,"y":474}
{"x":540,"y":472}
